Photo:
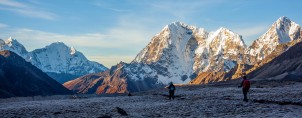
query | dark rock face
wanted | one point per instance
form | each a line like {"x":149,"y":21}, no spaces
{"x":121,"y":111}
{"x":62,"y":77}
{"x":20,"y":78}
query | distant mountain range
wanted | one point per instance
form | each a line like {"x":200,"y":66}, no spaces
{"x":21,"y":78}
{"x":186,"y":54}
{"x":59,"y":61}
{"x":180,"y":53}
{"x":282,"y":35}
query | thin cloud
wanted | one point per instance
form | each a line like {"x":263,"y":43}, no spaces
{"x":124,"y":35}
{"x":3,"y":25}
{"x":115,"y":40}
{"x":109,"y":7}
{"x":26,"y":10}
{"x":117,"y":10}
{"x":45,"y":38}
{"x":12,"y":3}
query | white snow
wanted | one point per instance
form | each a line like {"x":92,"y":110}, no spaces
{"x":72,"y":50}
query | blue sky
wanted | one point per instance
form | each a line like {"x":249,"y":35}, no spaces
{"x":110,"y":31}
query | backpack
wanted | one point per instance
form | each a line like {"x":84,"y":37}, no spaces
{"x":172,"y":88}
{"x":246,"y":84}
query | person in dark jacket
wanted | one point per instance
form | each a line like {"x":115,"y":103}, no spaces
{"x":245,"y":84}
{"x":172,"y":89}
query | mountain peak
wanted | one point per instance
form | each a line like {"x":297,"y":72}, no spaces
{"x":177,"y":25}
{"x":10,"y":40}
{"x":221,"y":29}
{"x":14,"y":46}
{"x":72,"y":50}
{"x":283,"y":18}
{"x":174,"y":25}
{"x":58,"y":44}
{"x":282,"y":31}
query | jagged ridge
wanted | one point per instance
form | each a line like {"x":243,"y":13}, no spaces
{"x":56,"y":59}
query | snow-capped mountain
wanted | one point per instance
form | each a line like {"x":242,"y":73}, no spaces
{"x":59,"y":58}
{"x":59,"y":61}
{"x":220,"y":52}
{"x":14,"y":46}
{"x":282,"y":31}
{"x":180,"y":53}
{"x":171,"y":52}
{"x":183,"y":50}
{"x":282,"y":35}
{"x":177,"y":54}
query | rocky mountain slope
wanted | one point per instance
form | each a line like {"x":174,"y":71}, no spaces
{"x":211,"y":77}
{"x":184,"y":54}
{"x":282,"y":31}
{"x":21,"y":78}
{"x":282,"y":35}
{"x":287,"y":66}
{"x":59,"y":61}
{"x":115,"y":80}
{"x":175,"y":55}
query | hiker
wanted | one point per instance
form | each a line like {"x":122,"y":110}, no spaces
{"x":171,"y":88}
{"x":129,"y":94}
{"x":245,"y":84}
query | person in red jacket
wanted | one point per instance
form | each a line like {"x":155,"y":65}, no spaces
{"x":245,"y":84}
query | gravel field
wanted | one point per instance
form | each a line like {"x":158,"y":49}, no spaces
{"x":283,"y":100}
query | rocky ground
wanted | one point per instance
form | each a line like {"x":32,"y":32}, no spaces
{"x":267,"y":99}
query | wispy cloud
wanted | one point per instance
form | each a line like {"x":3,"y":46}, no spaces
{"x":110,"y":7}
{"x":117,"y":10}
{"x":26,"y":10}
{"x":12,"y":3}
{"x":43,"y":38}
{"x":118,"y":40}
{"x":3,"y":25}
